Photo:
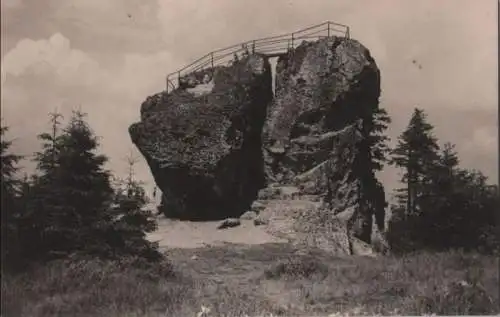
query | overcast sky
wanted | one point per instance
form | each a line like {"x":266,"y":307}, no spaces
{"x":107,"y":56}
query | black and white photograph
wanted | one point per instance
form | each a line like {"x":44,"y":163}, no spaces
{"x":232,"y":158}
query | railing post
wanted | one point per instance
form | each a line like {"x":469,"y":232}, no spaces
{"x":292,"y":40}
{"x":328,"y":29}
{"x":179,"y":78}
{"x":212,"y":59}
{"x":166,"y":84}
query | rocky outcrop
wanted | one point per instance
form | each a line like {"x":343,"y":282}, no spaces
{"x":214,"y":143}
{"x":316,"y":138}
{"x":203,"y":141}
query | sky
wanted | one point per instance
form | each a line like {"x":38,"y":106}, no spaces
{"x":107,"y":56}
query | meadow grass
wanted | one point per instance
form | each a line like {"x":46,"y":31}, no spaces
{"x":237,"y":280}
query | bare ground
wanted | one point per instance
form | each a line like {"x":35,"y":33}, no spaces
{"x":188,"y":234}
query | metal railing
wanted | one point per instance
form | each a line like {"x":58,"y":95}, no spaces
{"x":273,"y":45}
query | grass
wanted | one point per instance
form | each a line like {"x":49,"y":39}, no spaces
{"x":235,"y":280}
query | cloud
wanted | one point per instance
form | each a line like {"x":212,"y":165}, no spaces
{"x":144,"y":74}
{"x":53,"y":62}
{"x":38,"y":76}
{"x":54,"y":55}
{"x":483,"y":140}
{"x":43,"y":75}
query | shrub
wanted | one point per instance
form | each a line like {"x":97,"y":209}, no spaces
{"x":296,"y":268}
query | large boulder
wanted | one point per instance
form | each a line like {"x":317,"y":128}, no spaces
{"x":204,"y":148}
{"x":316,"y":132}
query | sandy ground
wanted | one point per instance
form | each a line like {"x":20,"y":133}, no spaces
{"x":188,"y":234}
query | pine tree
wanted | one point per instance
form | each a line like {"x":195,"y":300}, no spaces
{"x":132,"y":219}
{"x":27,"y":226}
{"x":38,"y":195}
{"x":85,"y":186}
{"x":133,"y":206}
{"x":372,"y":150}
{"x":458,"y":210}
{"x":9,"y":193}
{"x":442,"y":177}
{"x":73,"y":192}
{"x":47,"y":158}
{"x":437,"y":198}
{"x":468,"y":218}
{"x":378,"y":139}
{"x":9,"y":167}
{"x":416,"y":153}
{"x":377,"y":145}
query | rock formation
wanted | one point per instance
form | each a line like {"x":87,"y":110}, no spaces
{"x":306,"y":149}
{"x":203,"y":145}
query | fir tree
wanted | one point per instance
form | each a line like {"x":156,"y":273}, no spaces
{"x":458,"y":211}
{"x":437,"y":198}
{"x":73,"y":192}
{"x":9,"y":195}
{"x":378,"y":139}
{"x":9,"y":166}
{"x":47,"y":158}
{"x":72,"y":205}
{"x":441,"y":178}
{"x":416,"y":153}
{"x":467,"y":220}
{"x":132,"y":218}
{"x":373,"y":150}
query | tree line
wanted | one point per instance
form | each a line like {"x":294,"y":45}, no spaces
{"x":71,"y":204}
{"x":440,"y":205}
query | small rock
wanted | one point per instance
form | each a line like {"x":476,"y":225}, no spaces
{"x":277,"y":149}
{"x":260,"y":221}
{"x":269,"y":193}
{"x":249,"y":215}
{"x":194,"y":257}
{"x":229,"y":223}
{"x":258,"y":206}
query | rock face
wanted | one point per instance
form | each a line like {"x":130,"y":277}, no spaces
{"x":321,"y":88}
{"x":204,"y":146}
{"x":315,"y":137}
